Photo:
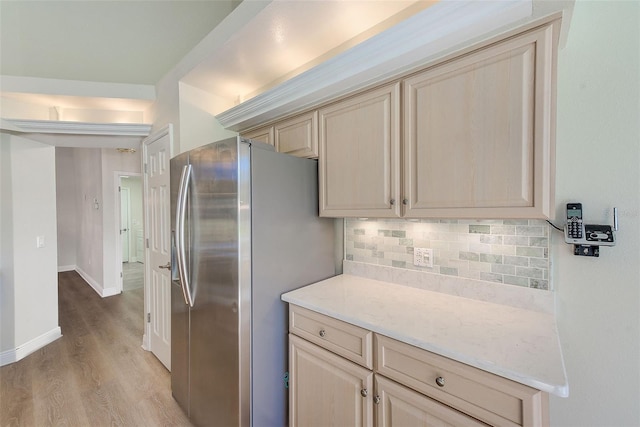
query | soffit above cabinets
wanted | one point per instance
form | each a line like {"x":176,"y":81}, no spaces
{"x":274,"y":80}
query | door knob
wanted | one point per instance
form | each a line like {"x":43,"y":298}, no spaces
{"x":168,"y":266}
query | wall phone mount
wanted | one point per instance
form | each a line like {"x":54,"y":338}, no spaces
{"x":592,"y":236}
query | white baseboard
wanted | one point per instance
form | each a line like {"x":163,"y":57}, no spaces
{"x":22,"y":351}
{"x":63,"y":268}
{"x":103,"y":292}
{"x":108,"y":292}
{"x":145,"y":343}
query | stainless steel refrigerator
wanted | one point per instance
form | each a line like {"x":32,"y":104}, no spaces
{"x":245,"y":229}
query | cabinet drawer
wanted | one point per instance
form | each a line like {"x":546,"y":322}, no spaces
{"x":342,"y":338}
{"x":487,"y":397}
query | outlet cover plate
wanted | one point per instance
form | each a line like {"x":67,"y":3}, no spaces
{"x":423,"y":257}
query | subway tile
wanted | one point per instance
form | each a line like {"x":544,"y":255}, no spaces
{"x":516,"y":240}
{"x":491,"y":258}
{"x":539,"y":284}
{"x":514,"y":251}
{"x":516,"y":260}
{"x":483,"y":229}
{"x":503,"y":269}
{"x":542,"y":242}
{"x":503,"y":249}
{"x":479,"y":247}
{"x":480,"y":266}
{"x":515,"y":280}
{"x":529,"y":251}
{"x":539,"y":263}
{"x":532,"y":272}
{"x":528,"y":230}
{"x":491,"y":277}
{"x":491,"y":239}
{"x":449,"y":271}
{"x":516,"y":222}
{"x":469,"y":256}
{"x":503,"y":229}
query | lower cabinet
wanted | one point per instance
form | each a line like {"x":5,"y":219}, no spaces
{"x":327,"y":390}
{"x":397,"y":405}
{"x":333,"y":382}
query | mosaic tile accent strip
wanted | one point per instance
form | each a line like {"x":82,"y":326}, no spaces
{"x":514,"y":252}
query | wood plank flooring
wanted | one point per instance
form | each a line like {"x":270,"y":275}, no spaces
{"x":96,"y":374}
{"x":132,"y":275}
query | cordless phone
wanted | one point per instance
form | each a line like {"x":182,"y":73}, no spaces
{"x":574,"y":220}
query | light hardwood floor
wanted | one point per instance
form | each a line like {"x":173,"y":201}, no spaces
{"x":96,"y":374}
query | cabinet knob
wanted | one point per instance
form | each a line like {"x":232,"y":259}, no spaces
{"x":405,"y":201}
{"x":322,"y":333}
{"x":440,"y":381}
{"x":376,"y":399}
{"x":392,"y":202}
{"x":364,"y":392}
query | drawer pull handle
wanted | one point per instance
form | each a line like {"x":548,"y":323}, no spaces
{"x":440,"y":381}
{"x":364,"y":392}
{"x":322,"y":333}
{"x":376,"y":399}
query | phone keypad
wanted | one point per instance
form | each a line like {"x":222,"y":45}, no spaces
{"x":575,"y":228}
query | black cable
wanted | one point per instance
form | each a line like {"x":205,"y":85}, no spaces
{"x":559,"y":229}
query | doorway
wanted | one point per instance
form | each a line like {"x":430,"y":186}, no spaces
{"x":131,"y":232}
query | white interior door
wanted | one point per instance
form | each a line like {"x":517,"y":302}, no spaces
{"x":125,"y":219}
{"x":157,"y":203}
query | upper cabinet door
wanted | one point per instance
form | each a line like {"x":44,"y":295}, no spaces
{"x":479,"y":133}
{"x":360,"y":155}
{"x":263,"y":134}
{"x":298,"y":136}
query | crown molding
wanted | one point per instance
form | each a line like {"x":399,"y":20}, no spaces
{"x":423,"y":37}
{"x":76,"y":128}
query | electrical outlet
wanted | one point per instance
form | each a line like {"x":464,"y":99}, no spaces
{"x":423,"y":257}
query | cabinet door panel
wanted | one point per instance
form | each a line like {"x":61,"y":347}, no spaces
{"x":325,"y":389}
{"x":298,"y":136}
{"x":264,"y":134}
{"x":400,"y":406}
{"x":359,"y":155}
{"x":477,"y":140}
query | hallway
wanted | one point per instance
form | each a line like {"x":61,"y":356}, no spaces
{"x":97,"y":374}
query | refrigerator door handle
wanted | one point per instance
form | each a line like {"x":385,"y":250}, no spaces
{"x":181,"y":211}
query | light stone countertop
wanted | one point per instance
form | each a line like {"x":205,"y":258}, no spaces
{"x":515,"y":343}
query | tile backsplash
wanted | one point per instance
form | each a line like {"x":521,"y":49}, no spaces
{"x":514,"y":252}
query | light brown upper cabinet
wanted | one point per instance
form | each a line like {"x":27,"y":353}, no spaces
{"x":359,"y":162}
{"x":479,"y":132}
{"x":298,"y":136}
{"x":263,"y":134}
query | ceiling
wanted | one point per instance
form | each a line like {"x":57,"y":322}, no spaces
{"x":134,"y":42}
{"x":131,"y":42}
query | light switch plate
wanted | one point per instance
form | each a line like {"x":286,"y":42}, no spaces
{"x":423,"y":257}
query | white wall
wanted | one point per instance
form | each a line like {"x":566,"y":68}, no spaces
{"x":30,"y":286}
{"x":67,"y":203}
{"x":598,"y":162}
{"x":7,"y":311}
{"x":89,"y":237}
{"x":198,"y":125}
